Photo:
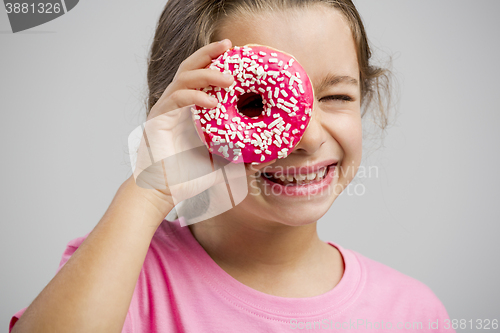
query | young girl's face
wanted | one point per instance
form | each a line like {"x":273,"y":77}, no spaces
{"x":321,"y":40}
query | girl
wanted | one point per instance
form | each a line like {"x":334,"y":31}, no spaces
{"x":260,"y":266}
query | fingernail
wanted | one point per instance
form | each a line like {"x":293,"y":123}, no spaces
{"x":228,"y":76}
{"x":212,"y":99}
{"x":222,"y":41}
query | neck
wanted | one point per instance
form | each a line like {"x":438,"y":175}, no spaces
{"x":262,"y":254}
{"x":259,"y":242}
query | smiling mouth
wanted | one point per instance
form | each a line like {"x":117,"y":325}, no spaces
{"x":299,"y":179}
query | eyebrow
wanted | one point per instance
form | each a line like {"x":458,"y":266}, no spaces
{"x":332,"y":79}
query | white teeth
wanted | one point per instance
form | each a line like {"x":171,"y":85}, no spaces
{"x":319,"y":175}
{"x":300,"y":177}
{"x":311,"y":176}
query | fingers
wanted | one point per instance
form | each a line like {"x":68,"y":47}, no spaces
{"x":192,"y":75}
{"x":180,"y":99}
{"x":201,"y":78}
{"x":203,"y":57}
{"x":186,"y":97}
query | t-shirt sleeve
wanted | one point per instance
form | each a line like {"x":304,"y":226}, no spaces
{"x":440,"y":322}
{"x":68,"y":252}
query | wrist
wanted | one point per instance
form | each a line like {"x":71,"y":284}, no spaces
{"x":155,"y":205}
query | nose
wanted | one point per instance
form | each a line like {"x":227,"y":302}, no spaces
{"x":313,"y":137}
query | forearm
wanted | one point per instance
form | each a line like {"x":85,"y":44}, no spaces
{"x":92,"y":292}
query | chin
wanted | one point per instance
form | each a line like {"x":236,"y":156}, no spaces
{"x":292,"y":209}
{"x":299,"y":213}
{"x":305,"y":212}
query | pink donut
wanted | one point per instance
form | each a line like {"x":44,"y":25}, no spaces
{"x":264,"y":113}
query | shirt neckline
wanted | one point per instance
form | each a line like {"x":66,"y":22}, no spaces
{"x":240,"y":295}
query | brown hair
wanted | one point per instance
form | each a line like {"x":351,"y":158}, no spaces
{"x":187,"y":25}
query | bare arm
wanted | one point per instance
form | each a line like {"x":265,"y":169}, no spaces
{"x":93,"y":290}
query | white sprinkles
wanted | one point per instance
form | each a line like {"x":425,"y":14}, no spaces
{"x":283,"y":102}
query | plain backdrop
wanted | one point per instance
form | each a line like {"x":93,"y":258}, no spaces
{"x":73,"y":89}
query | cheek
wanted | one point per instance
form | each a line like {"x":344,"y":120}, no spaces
{"x":353,"y":136}
{"x":346,"y":129}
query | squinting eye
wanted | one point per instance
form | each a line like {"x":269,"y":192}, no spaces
{"x":340,"y":98}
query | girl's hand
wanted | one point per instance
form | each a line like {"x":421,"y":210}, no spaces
{"x":192,"y":75}
{"x":172,"y":161}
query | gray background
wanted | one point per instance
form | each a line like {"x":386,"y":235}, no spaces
{"x":72,"y":90}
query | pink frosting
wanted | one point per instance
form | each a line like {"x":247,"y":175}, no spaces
{"x":287,"y":96}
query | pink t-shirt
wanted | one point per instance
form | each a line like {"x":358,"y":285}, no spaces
{"x":181,"y":289}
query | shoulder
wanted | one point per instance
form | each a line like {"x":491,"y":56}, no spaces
{"x":387,"y":286}
{"x":390,"y":280}
{"x":387,"y":275}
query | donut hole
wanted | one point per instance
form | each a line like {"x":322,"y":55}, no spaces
{"x":250,"y":105}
